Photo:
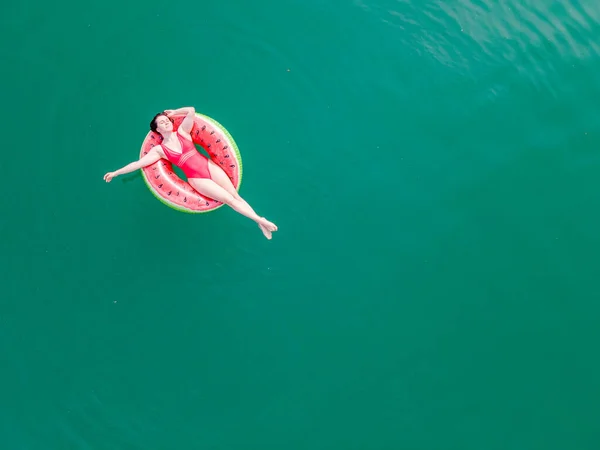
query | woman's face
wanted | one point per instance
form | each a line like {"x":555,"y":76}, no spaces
{"x":163,"y":123}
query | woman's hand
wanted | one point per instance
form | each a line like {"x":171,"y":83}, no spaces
{"x":188,"y":110}
{"x":109,"y":176}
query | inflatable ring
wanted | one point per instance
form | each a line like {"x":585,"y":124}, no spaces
{"x":176,"y":193}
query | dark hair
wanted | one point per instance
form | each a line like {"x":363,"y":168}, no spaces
{"x":153,"y":121}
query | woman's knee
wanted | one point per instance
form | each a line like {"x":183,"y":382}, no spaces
{"x":229,"y":199}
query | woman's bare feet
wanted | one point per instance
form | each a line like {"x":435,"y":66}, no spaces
{"x":267,"y":227}
{"x":266,"y":232}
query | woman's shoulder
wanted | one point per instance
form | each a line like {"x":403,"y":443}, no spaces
{"x":158,"y":148}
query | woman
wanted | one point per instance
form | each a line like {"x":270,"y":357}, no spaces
{"x":202,"y":174}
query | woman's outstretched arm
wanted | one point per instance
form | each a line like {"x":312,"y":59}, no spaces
{"x":146,"y":160}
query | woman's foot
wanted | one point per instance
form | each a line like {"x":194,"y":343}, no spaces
{"x":268,"y":225}
{"x":265,"y":231}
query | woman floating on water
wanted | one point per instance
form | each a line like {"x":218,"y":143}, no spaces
{"x":202,"y":174}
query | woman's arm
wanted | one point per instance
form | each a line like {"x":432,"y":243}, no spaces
{"x":186,"y":110}
{"x":147,"y":160}
{"x":188,"y":122}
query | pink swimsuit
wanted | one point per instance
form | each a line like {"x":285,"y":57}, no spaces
{"x":193,"y":163}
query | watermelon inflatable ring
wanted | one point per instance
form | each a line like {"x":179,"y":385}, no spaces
{"x":178,"y":194}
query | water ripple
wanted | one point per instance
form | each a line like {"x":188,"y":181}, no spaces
{"x":481,"y":34}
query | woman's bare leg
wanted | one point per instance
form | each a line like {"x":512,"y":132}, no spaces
{"x":211,"y":189}
{"x":220,"y":177}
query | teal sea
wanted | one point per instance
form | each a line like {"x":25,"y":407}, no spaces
{"x":433,"y":171}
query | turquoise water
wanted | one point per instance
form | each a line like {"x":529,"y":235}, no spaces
{"x":432,"y":169}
